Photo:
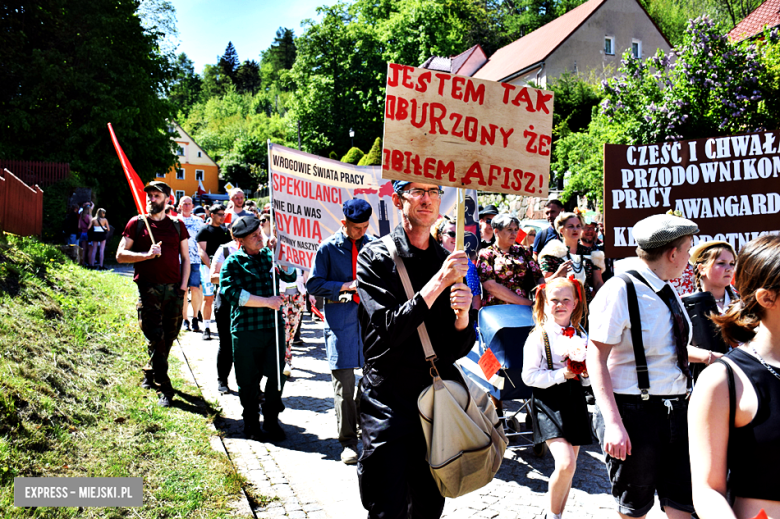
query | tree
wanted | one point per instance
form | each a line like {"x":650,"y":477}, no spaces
{"x":712,"y":88}
{"x":374,"y":155}
{"x":185,"y":87}
{"x":248,"y":77}
{"x":279,"y":57}
{"x":353,"y":156}
{"x":69,"y":68}
{"x":228,"y":63}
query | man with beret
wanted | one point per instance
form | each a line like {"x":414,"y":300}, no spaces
{"x":395,"y":480}
{"x":485,"y":229}
{"x":639,"y":372}
{"x":162,"y":269}
{"x":333,"y":277}
{"x":256,"y":327}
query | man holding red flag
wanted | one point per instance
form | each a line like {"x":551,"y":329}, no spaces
{"x":158,"y":248}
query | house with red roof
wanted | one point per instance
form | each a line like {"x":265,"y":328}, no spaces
{"x":765,"y":15}
{"x":589,"y":38}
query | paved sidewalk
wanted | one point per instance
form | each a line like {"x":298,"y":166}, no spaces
{"x":305,"y":474}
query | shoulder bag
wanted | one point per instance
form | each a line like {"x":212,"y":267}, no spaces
{"x":465,"y":439}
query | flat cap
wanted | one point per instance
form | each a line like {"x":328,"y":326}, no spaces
{"x":245,"y":226}
{"x":489,"y":210}
{"x":357,"y":210}
{"x":658,"y":230}
{"x":199,"y":210}
{"x":699,"y":249}
{"x":158,"y":185}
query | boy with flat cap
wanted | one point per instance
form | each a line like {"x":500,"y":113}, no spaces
{"x":639,"y":372}
{"x":246,"y":284}
{"x":162,"y":270}
{"x":334,"y":277}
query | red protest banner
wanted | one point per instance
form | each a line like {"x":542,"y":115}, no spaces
{"x":464,"y":132}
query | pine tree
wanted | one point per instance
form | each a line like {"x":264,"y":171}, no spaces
{"x":228,"y":62}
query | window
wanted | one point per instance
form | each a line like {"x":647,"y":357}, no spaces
{"x":160,"y":175}
{"x":180,"y":174}
{"x":200,"y":154}
{"x":198,"y":174}
{"x":179,"y":194}
{"x":180,"y":151}
{"x":636,"y":49}
{"x":609,"y":45}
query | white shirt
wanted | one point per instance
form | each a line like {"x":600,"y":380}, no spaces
{"x":535,"y":370}
{"x":611,"y":324}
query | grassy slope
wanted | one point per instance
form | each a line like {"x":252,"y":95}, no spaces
{"x":70,"y":399}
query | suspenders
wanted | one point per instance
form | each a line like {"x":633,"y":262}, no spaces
{"x":642,"y":377}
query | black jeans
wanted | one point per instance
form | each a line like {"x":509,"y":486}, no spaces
{"x":225,"y":350}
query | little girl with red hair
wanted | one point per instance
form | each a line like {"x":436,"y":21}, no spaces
{"x":553,"y":363}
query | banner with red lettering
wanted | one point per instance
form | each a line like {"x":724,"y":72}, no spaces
{"x":464,"y":132}
{"x":309,"y":192}
{"x":727,"y":185}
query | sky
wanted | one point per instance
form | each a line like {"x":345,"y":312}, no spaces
{"x":206,"y":26}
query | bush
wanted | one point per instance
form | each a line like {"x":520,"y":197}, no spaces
{"x":353,"y":156}
{"x":333,"y":155}
{"x":55,"y":207}
{"x":374,"y":155}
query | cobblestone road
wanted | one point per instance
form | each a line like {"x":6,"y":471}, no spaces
{"x":309,"y":481}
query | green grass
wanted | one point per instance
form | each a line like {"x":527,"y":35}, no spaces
{"x":70,"y":397}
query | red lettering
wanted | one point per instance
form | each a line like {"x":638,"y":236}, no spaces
{"x":442,"y":81}
{"x":316,"y":233}
{"x":486,"y":136}
{"x":476,"y":95}
{"x":507,"y":88}
{"x":428,"y":167}
{"x":445,"y":170}
{"x":282,"y":182}
{"x":275,"y":179}
{"x":457,"y":87}
{"x":422,"y":81}
{"x":518,"y":183}
{"x":386,"y":159}
{"x":414,"y":113}
{"x":392,"y":77}
{"x":528,"y":187}
{"x":398,"y":160}
{"x":475,"y":171}
{"x":402,"y":109}
{"x":408,"y":156}
{"x":457,"y":117}
{"x":494,"y":172}
{"x":541,"y":101}
{"x":523,"y":97}
{"x":407,"y":79}
{"x":505,"y":135}
{"x":530,"y":147}
{"x":505,"y":183}
{"x":544,"y":140}
{"x":416,"y":163}
{"x":390,"y":107}
{"x":471,"y":132}
{"x":436,"y":119}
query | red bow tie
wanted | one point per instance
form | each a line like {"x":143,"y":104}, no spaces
{"x":568,"y":331}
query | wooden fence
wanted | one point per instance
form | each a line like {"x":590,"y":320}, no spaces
{"x":31,"y":173}
{"x":21,"y":206}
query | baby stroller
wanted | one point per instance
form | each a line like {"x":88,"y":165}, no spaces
{"x":503,"y":329}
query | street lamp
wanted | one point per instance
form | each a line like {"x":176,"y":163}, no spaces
{"x":352,"y":137}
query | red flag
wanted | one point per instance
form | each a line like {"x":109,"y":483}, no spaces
{"x":489,"y":364}
{"x":136,"y":186}
{"x":228,"y":216}
{"x":201,"y":189}
{"x":172,"y":202}
{"x":761,"y":515}
{"x":521,"y":234}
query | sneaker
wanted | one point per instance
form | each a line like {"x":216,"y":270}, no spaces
{"x":195,"y":327}
{"x":206,"y":334}
{"x":186,"y":325}
{"x":349,"y":455}
{"x":222,"y":387}
{"x":165,"y":400}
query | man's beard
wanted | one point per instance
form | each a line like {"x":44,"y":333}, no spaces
{"x":156,"y":208}
{"x":587,"y":241}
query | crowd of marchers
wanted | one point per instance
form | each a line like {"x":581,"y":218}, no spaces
{"x":678,"y":347}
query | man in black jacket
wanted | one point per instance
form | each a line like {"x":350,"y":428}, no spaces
{"x":395,"y":481}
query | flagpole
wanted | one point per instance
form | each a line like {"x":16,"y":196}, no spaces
{"x":142,"y":215}
{"x":273,"y":269}
{"x":460,"y":222}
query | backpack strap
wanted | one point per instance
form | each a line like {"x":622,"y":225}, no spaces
{"x":425,"y":339}
{"x":642,"y":376}
{"x":547,"y":352}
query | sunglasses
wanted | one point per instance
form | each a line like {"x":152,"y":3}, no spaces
{"x":451,"y":234}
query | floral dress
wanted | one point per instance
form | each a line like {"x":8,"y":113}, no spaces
{"x":686,"y":283}
{"x":552,"y":263}
{"x":515,"y":270}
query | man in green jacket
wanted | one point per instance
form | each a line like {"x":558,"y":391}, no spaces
{"x":247,"y":284}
